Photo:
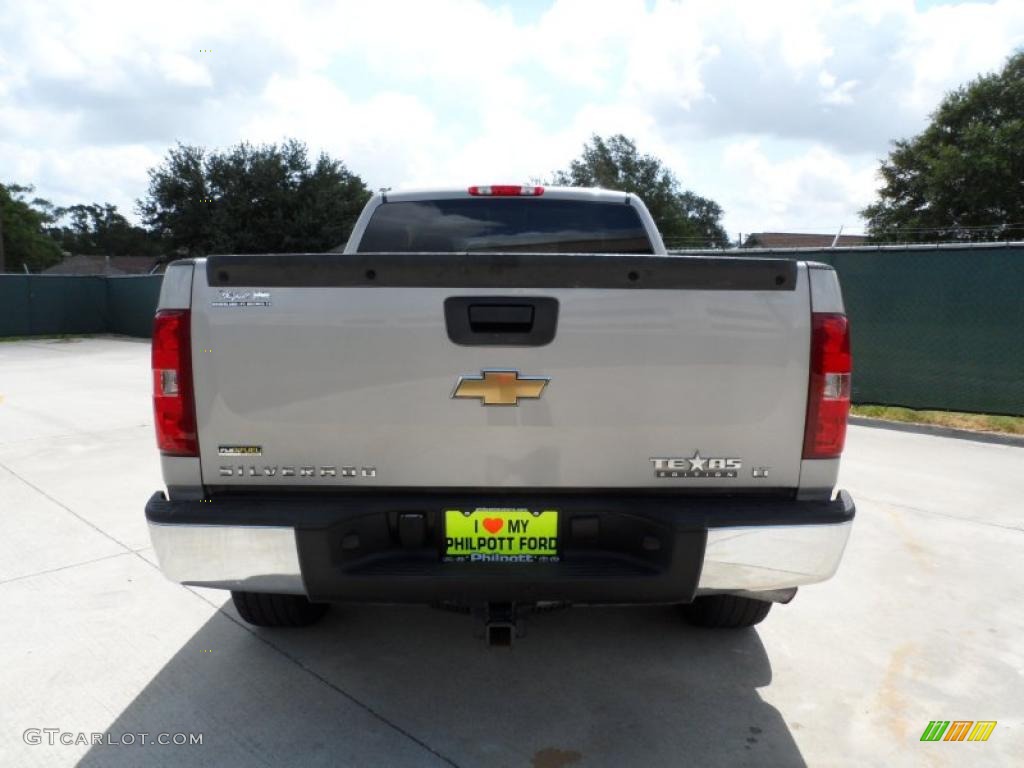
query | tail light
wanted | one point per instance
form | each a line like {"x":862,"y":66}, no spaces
{"x":828,"y":397}
{"x":506,"y":190}
{"x":173,"y":405}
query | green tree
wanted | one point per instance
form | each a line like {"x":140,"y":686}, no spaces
{"x":22,"y":228}
{"x":252,"y":199}
{"x":101,"y":230}
{"x":176,"y":208}
{"x":962,"y":178}
{"x":684,"y":218}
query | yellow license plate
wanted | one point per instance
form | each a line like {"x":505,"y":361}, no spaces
{"x":501,"y":535}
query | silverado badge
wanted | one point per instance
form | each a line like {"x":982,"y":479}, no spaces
{"x":500,"y":387}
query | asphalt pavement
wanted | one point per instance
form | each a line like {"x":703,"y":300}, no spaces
{"x":924,"y":621}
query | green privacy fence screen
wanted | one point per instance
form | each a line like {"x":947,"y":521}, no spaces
{"x":131,"y":304}
{"x":38,"y":305}
{"x":932,"y":327}
{"x":939,"y":328}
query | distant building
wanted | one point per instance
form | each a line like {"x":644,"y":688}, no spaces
{"x":800,"y":240}
{"x":106,"y":265}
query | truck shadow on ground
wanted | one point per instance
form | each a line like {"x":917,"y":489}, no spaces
{"x":587,"y":686}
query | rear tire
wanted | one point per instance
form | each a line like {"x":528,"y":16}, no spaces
{"x":269,"y":610}
{"x":725,"y":611}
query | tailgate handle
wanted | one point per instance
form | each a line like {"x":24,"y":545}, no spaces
{"x":518,"y":321}
{"x":500,"y":318}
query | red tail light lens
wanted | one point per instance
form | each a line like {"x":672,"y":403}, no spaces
{"x":174,"y":408}
{"x":506,"y":190}
{"x":828,"y":397}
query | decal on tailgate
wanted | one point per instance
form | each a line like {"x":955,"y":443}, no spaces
{"x":696,"y":466}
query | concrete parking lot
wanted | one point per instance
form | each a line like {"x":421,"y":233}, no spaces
{"x":924,"y":621}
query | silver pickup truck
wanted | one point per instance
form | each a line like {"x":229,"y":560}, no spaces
{"x":499,"y":398}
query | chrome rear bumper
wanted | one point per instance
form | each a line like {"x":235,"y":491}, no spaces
{"x":764,"y":558}
{"x":769,"y":558}
{"x":246,"y":558}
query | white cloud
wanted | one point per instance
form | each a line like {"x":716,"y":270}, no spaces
{"x":395,"y":133}
{"x":667,"y":55}
{"x":105,"y":173}
{"x":584,"y":42}
{"x":779,"y":111}
{"x":815,"y":189}
{"x":184,"y":70}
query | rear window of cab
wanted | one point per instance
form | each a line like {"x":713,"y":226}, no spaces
{"x":505,"y":224}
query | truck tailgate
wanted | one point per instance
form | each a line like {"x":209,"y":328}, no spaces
{"x":339,"y":370}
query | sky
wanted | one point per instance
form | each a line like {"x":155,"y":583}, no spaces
{"x":780,"y":111}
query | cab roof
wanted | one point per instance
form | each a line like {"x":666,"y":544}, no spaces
{"x":556,"y":193}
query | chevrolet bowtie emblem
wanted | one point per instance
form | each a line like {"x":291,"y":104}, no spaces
{"x":500,"y":387}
